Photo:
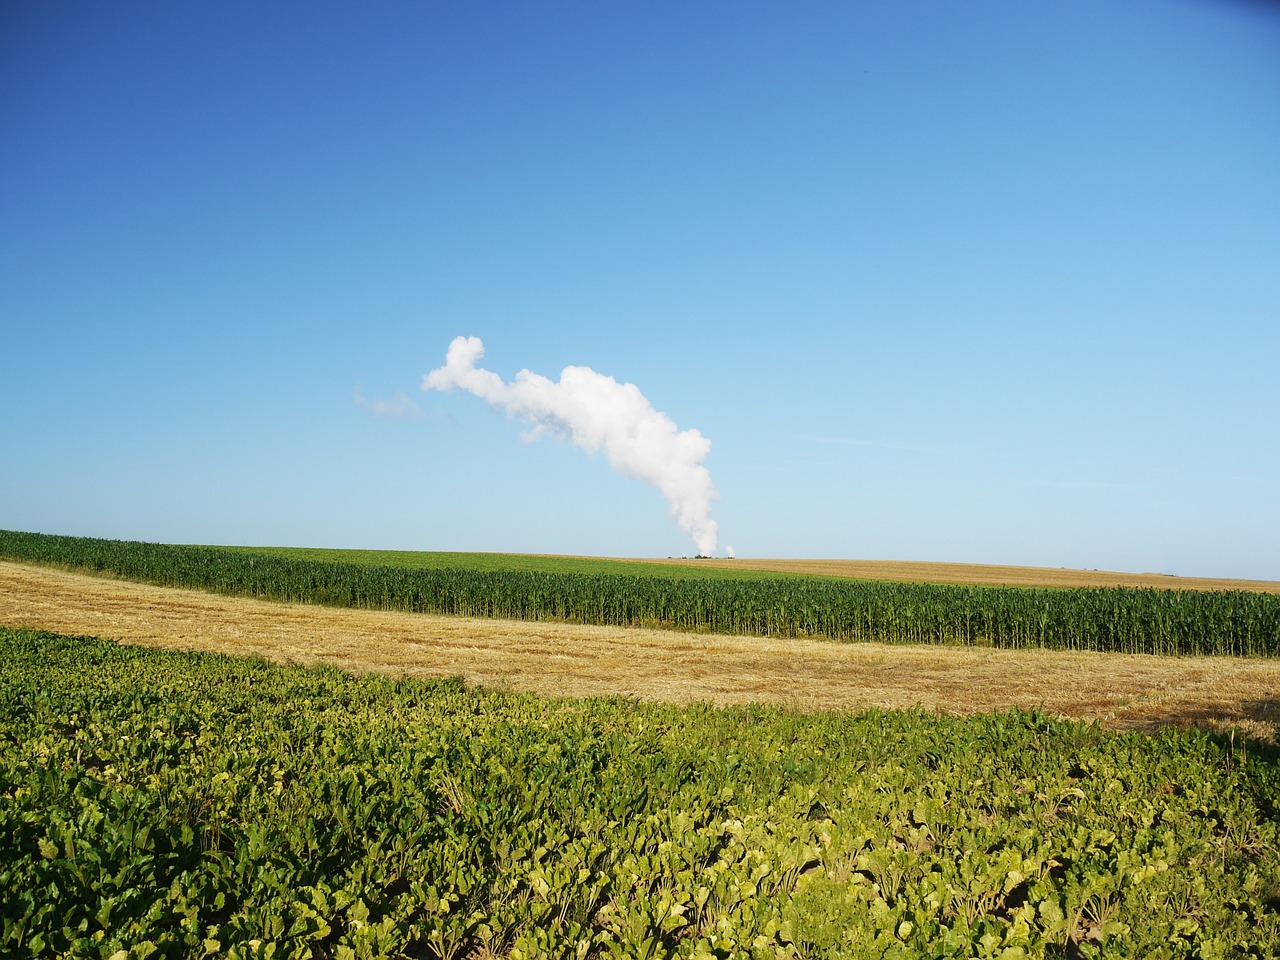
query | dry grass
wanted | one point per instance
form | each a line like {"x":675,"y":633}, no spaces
{"x":983,"y":574}
{"x":1120,"y":691}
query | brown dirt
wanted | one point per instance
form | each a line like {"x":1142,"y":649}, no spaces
{"x":1120,"y":691}
{"x":982,"y":574}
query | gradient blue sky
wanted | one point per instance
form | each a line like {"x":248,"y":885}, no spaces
{"x":987,"y":282}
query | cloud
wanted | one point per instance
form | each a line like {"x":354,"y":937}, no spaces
{"x":1080,"y":484}
{"x":878,"y":444}
{"x":595,"y":412}
{"x":398,"y":407}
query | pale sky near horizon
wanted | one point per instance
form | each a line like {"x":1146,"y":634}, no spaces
{"x":984,"y":282}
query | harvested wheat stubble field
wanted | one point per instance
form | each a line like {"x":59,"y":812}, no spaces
{"x":1117,"y":690}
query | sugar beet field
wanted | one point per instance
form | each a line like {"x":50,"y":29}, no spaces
{"x":176,"y":804}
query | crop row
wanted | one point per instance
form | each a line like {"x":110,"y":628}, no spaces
{"x":173,"y":805}
{"x":1106,"y":619}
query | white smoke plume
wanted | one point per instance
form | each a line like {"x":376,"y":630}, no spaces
{"x":596,"y":411}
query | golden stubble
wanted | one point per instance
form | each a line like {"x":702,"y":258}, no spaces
{"x":1118,"y":690}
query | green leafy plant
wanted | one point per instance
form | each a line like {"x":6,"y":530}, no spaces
{"x":158,"y":804}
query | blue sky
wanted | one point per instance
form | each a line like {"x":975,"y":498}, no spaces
{"x":986,"y":282}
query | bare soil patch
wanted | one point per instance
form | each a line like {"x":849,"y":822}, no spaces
{"x":982,"y":574}
{"x":1118,"y":690}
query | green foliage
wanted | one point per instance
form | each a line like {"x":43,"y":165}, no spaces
{"x":1108,"y":619}
{"x":157,"y":804}
{"x":523,"y":562}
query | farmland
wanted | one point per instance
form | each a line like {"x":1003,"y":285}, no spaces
{"x":1120,"y":691}
{"x":395,"y":783}
{"x":176,"y":804}
{"x":976,"y":574}
{"x":966,"y":574}
{"x":1116,"y":619}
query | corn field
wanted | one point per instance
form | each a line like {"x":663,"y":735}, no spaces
{"x":1119,"y":619}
